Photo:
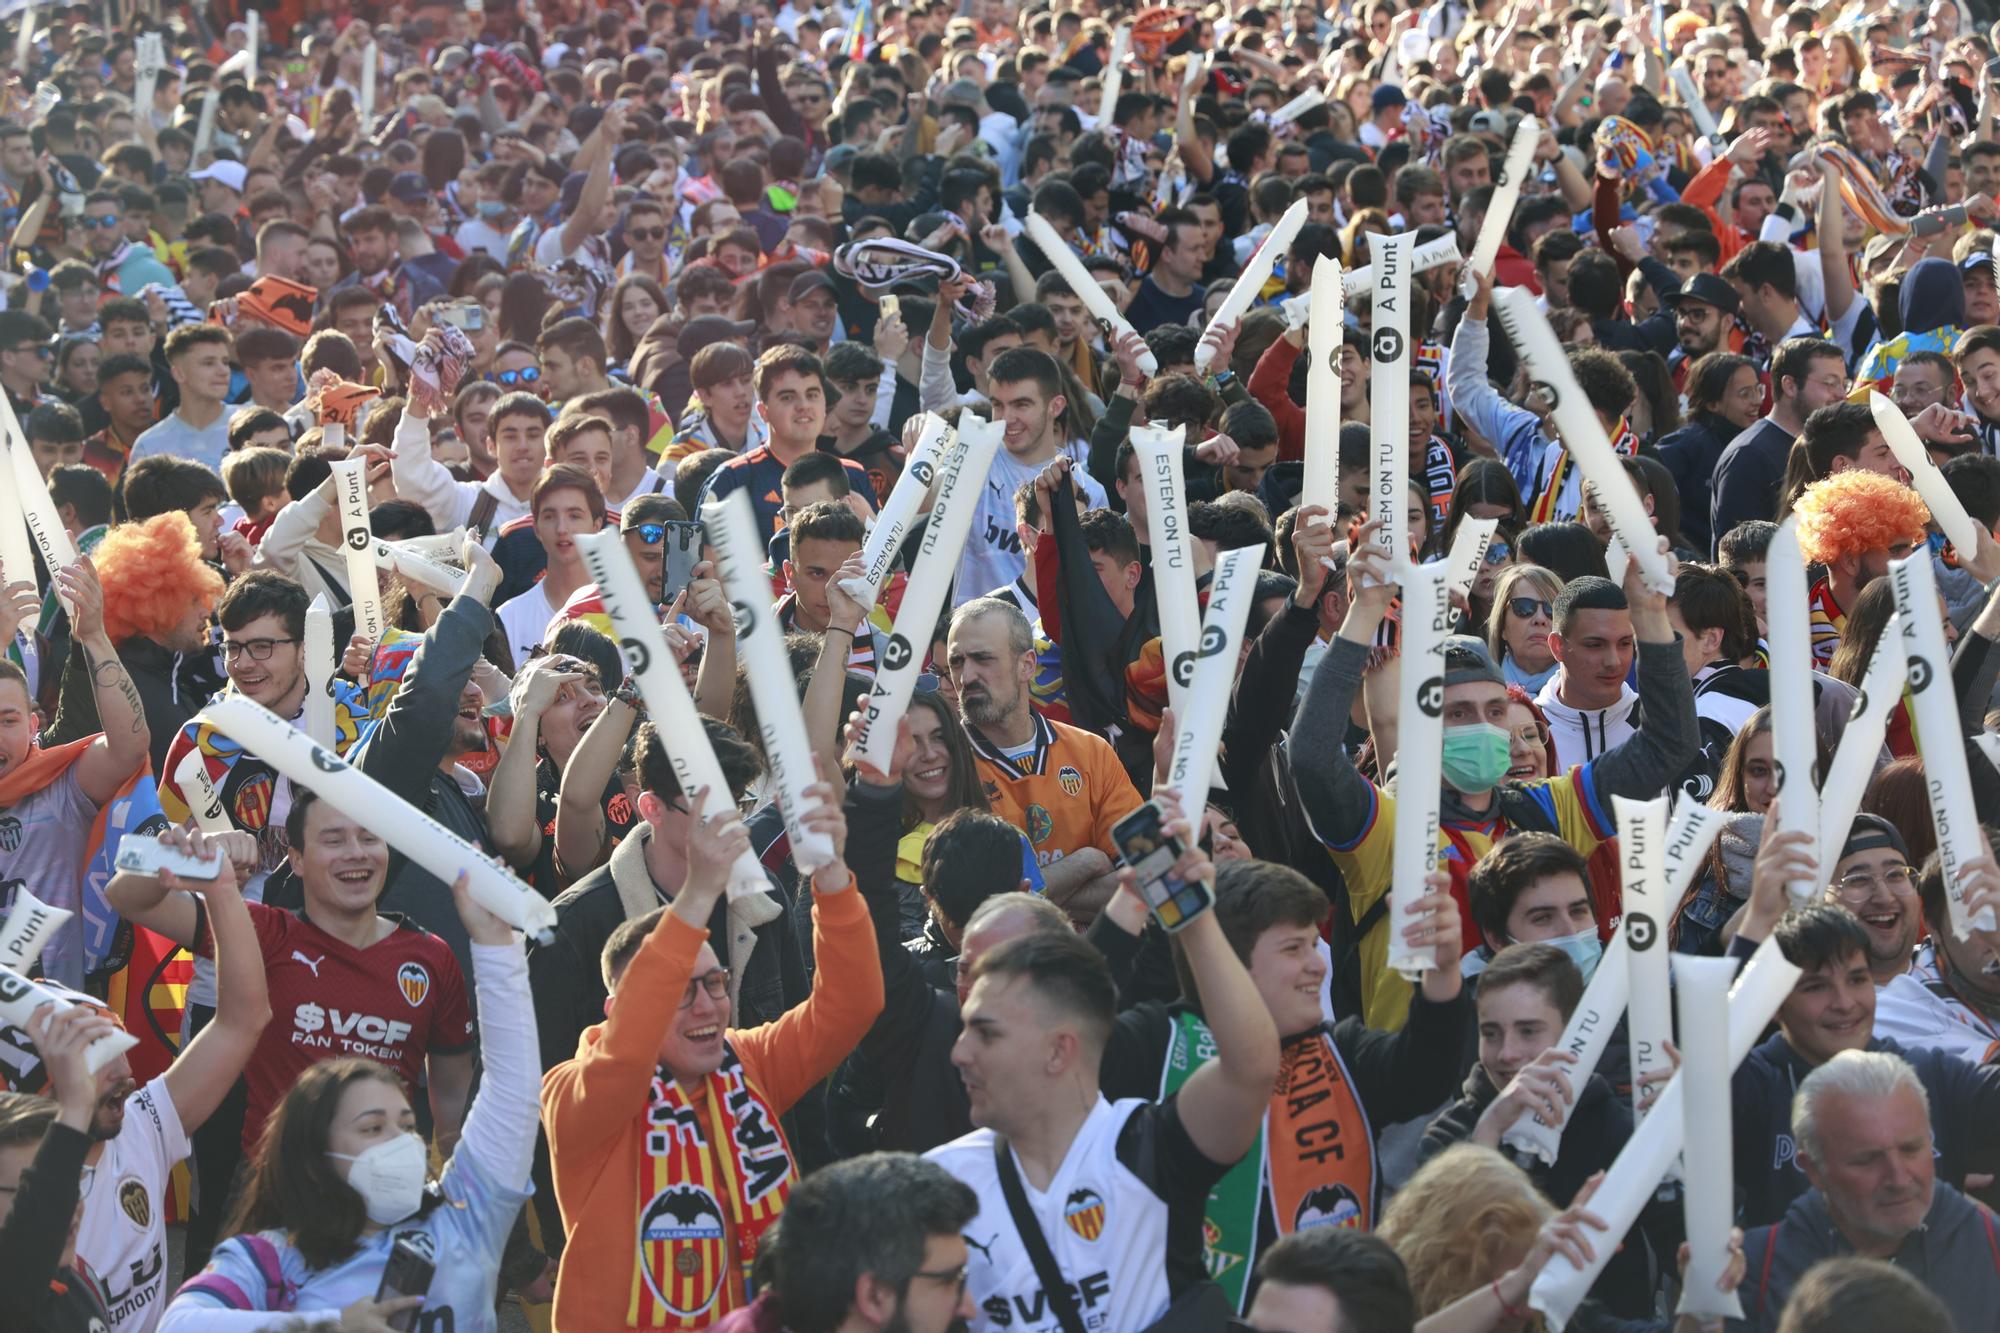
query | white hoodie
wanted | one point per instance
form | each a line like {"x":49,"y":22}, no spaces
{"x":1584,"y":734}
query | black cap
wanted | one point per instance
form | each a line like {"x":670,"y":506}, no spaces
{"x":1709,"y":290}
{"x":1870,"y":832}
{"x":808,"y":282}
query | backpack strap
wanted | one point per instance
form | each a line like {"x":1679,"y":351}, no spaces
{"x":483,"y":510}
{"x":1992,"y":1244}
{"x":1054,"y":1289}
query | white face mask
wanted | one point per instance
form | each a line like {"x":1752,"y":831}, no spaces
{"x":389,"y":1177}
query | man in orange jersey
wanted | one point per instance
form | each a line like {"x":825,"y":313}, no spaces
{"x":1061,"y":785}
{"x":670,"y":1164}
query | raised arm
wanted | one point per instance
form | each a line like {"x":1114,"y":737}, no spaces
{"x":580,"y":835}
{"x":1223,"y":1103}
{"x":1668,"y":737}
{"x":821,"y":705}
{"x":126,"y":745}
{"x":1514,"y":431}
{"x":707,"y":606}
{"x":1337,"y":799}
{"x":510,"y":795}
{"x":420,"y":478}
{"x":582,"y":224}
{"x":208,"y":1066}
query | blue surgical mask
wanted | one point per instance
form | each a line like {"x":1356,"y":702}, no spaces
{"x":1584,"y":949}
{"x":1477,"y":756}
{"x":492,"y":209}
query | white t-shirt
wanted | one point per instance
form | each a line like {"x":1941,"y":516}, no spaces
{"x":524,"y":619}
{"x":993,"y":555}
{"x":124,"y":1233}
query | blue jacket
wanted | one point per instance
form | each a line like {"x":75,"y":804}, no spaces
{"x":1965,"y":1101}
{"x":1955,"y":1253}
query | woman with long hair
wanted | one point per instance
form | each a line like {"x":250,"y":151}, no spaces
{"x":1517,"y":633}
{"x":1748,"y":780}
{"x":1724,"y":396}
{"x":77,"y":359}
{"x":633,"y":306}
{"x":523,"y":302}
{"x":340,"y":1174}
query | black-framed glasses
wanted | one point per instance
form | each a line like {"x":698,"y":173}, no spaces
{"x":527,"y":375}
{"x":259,"y":649}
{"x":1528,"y":607}
{"x":716,"y":983}
{"x":944,"y":1277}
{"x":39,"y":349}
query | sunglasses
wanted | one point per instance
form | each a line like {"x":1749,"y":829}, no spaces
{"x":105,"y":223}
{"x":1497,"y":553}
{"x":646,"y":233}
{"x":513,"y":377}
{"x":1527,"y":607}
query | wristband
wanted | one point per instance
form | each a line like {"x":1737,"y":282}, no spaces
{"x":839,"y":629}
{"x":1508,"y":1311}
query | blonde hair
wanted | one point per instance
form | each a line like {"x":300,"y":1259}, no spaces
{"x":1537,"y":578}
{"x":1467,"y":1217}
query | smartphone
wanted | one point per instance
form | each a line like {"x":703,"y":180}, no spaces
{"x":1146,"y":846}
{"x":472,"y":317}
{"x":892,"y":307}
{"x":683,"y":553}
{"x":149,"y":856}
{"x":408,"y":1273}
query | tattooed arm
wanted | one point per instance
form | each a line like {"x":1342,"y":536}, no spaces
{"x":126,"y":744}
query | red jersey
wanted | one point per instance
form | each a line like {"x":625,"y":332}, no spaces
{"x":395,"y":1002}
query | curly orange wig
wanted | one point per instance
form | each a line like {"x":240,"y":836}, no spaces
{"x":1855,"y":512}
{"x":150,"y":572}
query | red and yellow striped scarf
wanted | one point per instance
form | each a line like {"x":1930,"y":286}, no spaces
{"x":1623,"y":442}
{"x":684,"y":1274}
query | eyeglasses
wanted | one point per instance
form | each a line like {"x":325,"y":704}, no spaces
{"x":1528,"y":607}
{"x":104,"y":223}
{"x":716,"y":983}
{"x":646,"y":233}
{"x":259,"y":649}
{"x":512,"y":377}
{"x":948,"y":1277}
{"x":650,"y":533}
{"x":1860,"y":886}
{"x":39,"y":349}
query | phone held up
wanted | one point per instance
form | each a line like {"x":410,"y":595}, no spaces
{"x":1145,"y":845}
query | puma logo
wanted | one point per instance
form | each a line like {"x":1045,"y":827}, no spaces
{"x":986,"y":1249}
{"x":312,"y":963}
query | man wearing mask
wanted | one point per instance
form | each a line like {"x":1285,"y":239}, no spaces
{"x":1534,"y":888}
{"x":1355,"y":818}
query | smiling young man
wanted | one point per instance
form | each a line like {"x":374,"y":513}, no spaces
{"x":1337,"y":1082}
{"x":791,"y":400}
{"x":1589,"y":706}
{"x":669,"y":1160}
{"x":341,"y":974}
{"x":198,"y":358}
{"x":567,"y":505}
{"x":1025,"y":386}
{"x":1533,"y":888}
{"x":515,"y":431}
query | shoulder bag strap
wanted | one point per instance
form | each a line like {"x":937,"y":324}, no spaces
{"x":1054,"y":1289}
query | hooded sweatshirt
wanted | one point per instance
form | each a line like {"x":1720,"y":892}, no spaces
{"x":1932,"y":306}
{"x":1582,"y":734}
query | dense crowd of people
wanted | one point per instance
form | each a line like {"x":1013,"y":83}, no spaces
{"x":351,"y":353}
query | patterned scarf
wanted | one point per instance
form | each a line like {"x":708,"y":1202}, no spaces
{"x":684,"y":1275}
{"x":1553,"y":505}
{"x":881,"y":264}
{"x":1861,"y":190}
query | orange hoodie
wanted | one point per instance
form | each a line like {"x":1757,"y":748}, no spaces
{"x":594,"y":1106}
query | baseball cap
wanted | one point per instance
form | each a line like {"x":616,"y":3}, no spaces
{"x":232,"y":174}
{"x":706,"y":329}
{"x":1386,"y":96}
{"x":963,"y":92}
{"x":1709,"y":290}
{"x":1869,"y":832}
{"x":1488,"y":122}
{"x":812,"y":280}
{"x":1466,"y":659}
{"x":409,"y":187}
{"x":840,"y":155}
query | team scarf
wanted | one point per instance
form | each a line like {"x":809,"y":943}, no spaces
{"x":1552,"y":505}
{"x":684,"y":1275}
{"x":1438,"y":480}
{"x":1860,"y":188}
{"x":881,"y":264}
{"x":357,"y":710}
{"x":1314,"y":1177}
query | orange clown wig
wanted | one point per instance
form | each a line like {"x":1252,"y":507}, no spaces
{"x":1854,"y":513}
{"x":152,"y":573}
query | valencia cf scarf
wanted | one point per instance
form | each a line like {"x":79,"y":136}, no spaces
{"x":1552,"y":505}
{"x":1314,"y":1156}
{"x":697,"y":1200}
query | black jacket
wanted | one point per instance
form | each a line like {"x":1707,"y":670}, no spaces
{"x":1691,"y":454}
{"x":172,"y":687}
{"x":37,"y":1293}
{"x":403,"y":754}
